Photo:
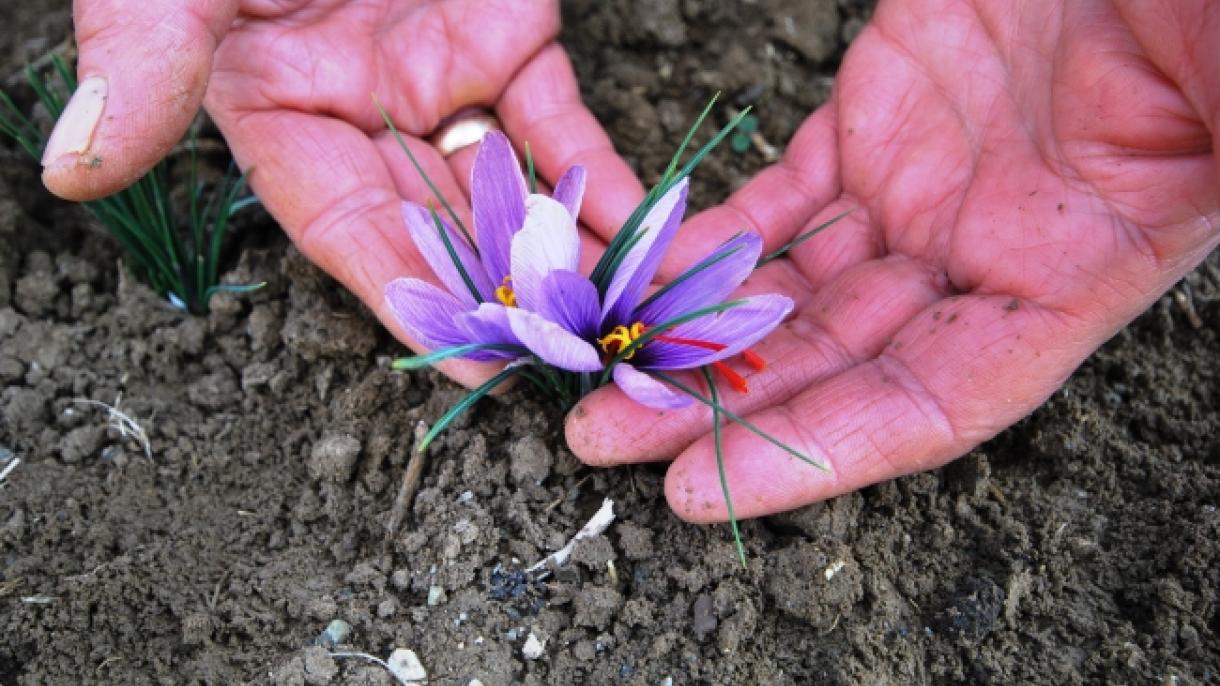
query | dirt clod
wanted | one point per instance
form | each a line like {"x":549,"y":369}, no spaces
{"x":972,"y":611}
{"x":530,"y":460}
{"x":703,"y":616}
{"x":334,"y":458}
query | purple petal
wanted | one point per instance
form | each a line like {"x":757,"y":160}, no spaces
{"x":547,"y":242}
{"x":570,"y":300}
{"x":422,"y":228}
{"x":497,"y":196}
{"x":489,"y":324}
{"x":640,"y":264}
{"x":425,"y":312}
{"x":571,"y":189}
{"x":553,"y":343}
{"x":730,"y":264}
{"x":646,"y":390}
{"x":739,"y":328}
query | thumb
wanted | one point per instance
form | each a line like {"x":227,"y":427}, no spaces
{"x":142,"y":72}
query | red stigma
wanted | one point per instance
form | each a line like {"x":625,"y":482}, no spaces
{"x":754,"y":360}
{"x":693,"y":342}
{"x":737,"y":381}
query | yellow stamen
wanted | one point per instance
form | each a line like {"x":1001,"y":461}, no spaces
{"x":620,"y":337}
{"x":505,"y":294}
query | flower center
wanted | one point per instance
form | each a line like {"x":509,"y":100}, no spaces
{"x":620,"y":337}
{"x":505,"y":294}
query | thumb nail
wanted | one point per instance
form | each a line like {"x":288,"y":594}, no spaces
{"x":74,"y":131}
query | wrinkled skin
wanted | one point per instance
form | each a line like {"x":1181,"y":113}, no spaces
{"x":290,"y":84}
{"x":1024,"y":178}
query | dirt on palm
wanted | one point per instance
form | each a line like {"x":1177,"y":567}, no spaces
{"x":1080,"y":546}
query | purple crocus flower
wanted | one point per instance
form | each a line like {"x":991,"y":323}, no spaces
{"x":522,"y":237}
{"x":601,"y":327}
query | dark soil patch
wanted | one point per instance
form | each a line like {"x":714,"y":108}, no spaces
{"x":1078,"y":547}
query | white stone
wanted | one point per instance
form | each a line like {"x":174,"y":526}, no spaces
{"x":532,"y":650}
{"x":405,"y":666}
{"x":436,"y":596}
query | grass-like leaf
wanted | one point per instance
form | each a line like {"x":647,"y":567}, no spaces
{"x":724,"y":479}
{"x":603,"y":271}
{"x":419,"y":169}
{"x":627,"y":246}
{"x":732,"y":416}
{"x":531,"y":173}
{"x":179,"y":257}
{"x":780,"y":252}
{"x":465,"y":404}
{"x":690,"y":134}
{"x":709,"y":261}
{"x":429,"y":359}
{"x":457,"y":263}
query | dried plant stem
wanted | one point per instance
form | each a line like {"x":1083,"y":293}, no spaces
{"x":410,"y":483}
{"x":124,"y":424}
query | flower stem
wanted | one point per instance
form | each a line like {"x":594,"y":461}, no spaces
{"x":800,"y":239}
{"x":402,"y":143}
{"x":465,"y":404}
{"x":724,"y":479}
{"x":738,"y":419}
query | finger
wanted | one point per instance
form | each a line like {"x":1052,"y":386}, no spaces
{"x":775,"y":204}
{"x":850,"y":240}
{"x":839,"y":326}
{"x":335,"y":196}
{"x":955,"y":376}
{"x":542,"y":106}
{"x":1183,"y":41}
{"x":424,"y":61}
{"x":142,"y":72}
{"x":412,"y":186}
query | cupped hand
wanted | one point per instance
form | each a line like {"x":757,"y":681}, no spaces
{"x":1023,"y":180}
{"x":291,"y":83}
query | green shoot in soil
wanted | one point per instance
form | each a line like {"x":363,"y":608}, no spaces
{"x":179,"y":257}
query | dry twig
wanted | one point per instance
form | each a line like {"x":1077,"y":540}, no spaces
{"x":124,"y":424}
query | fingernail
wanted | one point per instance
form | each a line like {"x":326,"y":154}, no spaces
{"x":74,"y":131}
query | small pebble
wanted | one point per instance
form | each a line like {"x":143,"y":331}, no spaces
{"x":387,"y":608}
{"x":405,"y":665}
{"x":400,"y":579}
{"x":320,"y":667}
{"x":703,"y":621}
{"x":532,"y":650}
{"x":436,"y":596}
{"x":336,"y":632}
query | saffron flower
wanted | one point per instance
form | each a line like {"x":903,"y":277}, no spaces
{"x":622,"y":332}
{"x":514,"y":253}
{"x":518,"y":295}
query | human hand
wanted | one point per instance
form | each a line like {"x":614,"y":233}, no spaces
{"x":1024,"y":179}
{"x":289,"y":83}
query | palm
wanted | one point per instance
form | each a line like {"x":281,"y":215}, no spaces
{"x":1015,"y":200}
{"x":291,"y":92}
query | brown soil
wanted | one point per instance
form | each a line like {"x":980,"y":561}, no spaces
{"x":1078,"y":547}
